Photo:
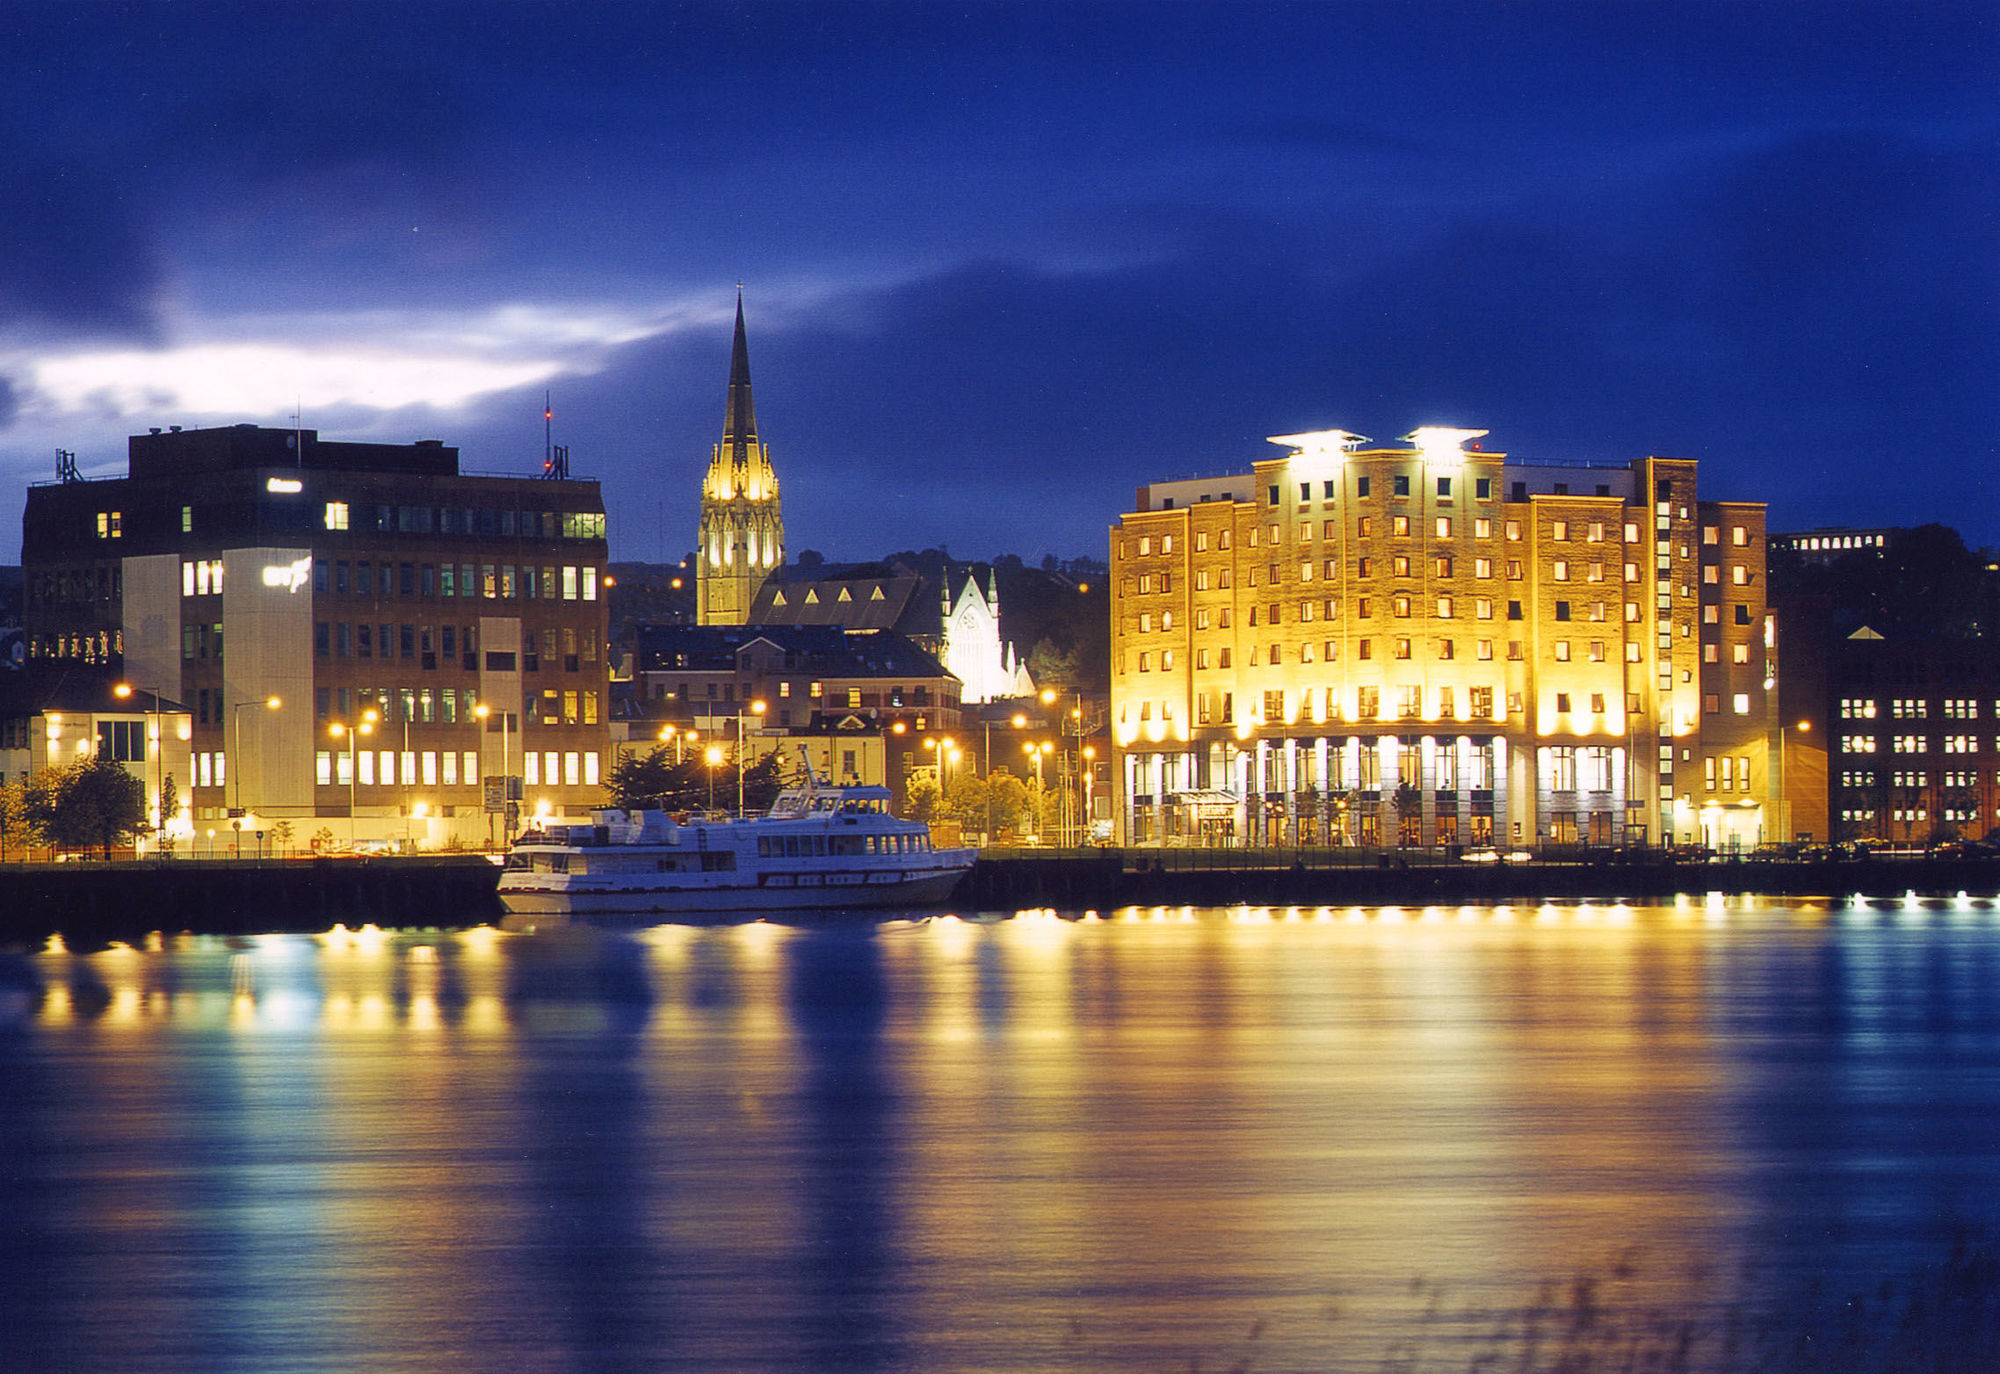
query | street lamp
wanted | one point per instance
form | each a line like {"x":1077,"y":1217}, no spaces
{"x":757,"y":708}
{"x":123,"y":691}
{"x":236,"y":728}
{"x":483,"y":710}
{"x":714,"y":760}
{"x":367,"y":726}
{"x":1037,"y":752}
{"x":1087,"y":766}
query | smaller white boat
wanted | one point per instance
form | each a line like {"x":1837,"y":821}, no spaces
{"x":818,"y":847}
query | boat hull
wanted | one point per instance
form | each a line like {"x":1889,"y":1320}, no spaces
{"x":831,"y":892}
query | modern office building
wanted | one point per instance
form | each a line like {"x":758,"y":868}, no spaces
{"x":1913,"y":737}
{"x":422,"y":631}
{"x":1428,"y":644}
{"x":742,"y":534}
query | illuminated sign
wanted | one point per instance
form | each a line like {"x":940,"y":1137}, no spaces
{"x":284,"y":484}
{"x":290,"y":576}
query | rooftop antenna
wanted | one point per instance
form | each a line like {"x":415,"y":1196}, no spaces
{"x":299,"y":430}
{"x":66,"y":466}
{"x":555,"y":457}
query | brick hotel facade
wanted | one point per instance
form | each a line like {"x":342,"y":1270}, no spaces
{"x":1427,"y":644}
{"x":236,"y":565}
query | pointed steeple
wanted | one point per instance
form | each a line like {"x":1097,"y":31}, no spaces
{"x":739,"y":423}
{"x":742,"y":527}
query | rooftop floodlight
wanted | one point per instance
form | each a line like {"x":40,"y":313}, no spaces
{"x":1441,"y":443}
{"x":1324,"y":443}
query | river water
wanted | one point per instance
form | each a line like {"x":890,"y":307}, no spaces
{"x":1241,"y":1138}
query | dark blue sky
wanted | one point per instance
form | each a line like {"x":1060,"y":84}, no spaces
{"x":1005,"y":261}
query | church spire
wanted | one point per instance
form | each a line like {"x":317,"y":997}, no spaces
{"x":739,"y":423}
{"x":742,"y":537}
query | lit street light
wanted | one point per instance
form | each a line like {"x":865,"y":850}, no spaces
{"x":714,"y":760}
{"x":337,"y":730}
{"x":757,"y":708}
{"x":236,"y":758}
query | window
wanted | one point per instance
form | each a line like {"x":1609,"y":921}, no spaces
{"x":1401,"y":485}
{"x":1857,"y":708}
{"x":1399,"y":525}
{"x":1482,"y":607}
{"x":1739,"y":536}
{"x":1740,"y":703}
{"x":336,"y":515}
{"x":1560,"y":570}
{"x":1444,"y":524}
{"x":1444,"y":487}
{"x":1402,"y":648}
{"x":1482,"y":567}
{"x":1562,"y":651}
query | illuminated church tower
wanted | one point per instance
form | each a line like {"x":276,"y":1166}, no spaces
{"x":742,"y":530}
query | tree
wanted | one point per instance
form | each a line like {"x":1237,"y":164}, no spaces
{"x":91,"y":802}
{"x":170,"y":806}
{"x":1051,"y":665}
{"x":965,"y":798}
{"x":1409,"y":803}
{"x":636,"y":782}
{"x":1009,"y":796}
{"x":281,"y":837}
{"x":15,"y":835}
{"x":762,"y":782}
{"x":924,"y":798}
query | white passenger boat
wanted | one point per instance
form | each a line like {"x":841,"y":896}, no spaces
{"x":818,"y":847}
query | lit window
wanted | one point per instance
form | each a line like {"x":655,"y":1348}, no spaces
{"x":336,"y":515}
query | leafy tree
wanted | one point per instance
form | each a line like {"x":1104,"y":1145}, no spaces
{"x":1052,"y":665}
{"x":281,"y":837}
{"x":170,"y":806}
{"x":322,"y":840}
{"x":15,"y":834}
{"x":965,"y":798}
{"x":924,"y":799}
{"x":93,"y":801}
{"x":1009,"y":796}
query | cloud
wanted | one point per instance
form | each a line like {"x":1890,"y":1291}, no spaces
{"x":385,"y":360}
{"x":10,"y":402}
{"x":73,"y":261}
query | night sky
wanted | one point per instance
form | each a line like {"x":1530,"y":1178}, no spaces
{"x":1003,"y":262}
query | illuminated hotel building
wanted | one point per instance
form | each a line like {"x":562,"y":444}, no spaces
{"x":1425,"y":644}
{"x":452,"y":627}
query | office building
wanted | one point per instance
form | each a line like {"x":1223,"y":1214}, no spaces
{"x":362,"y":635}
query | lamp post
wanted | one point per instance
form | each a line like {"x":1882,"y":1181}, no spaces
{"x":483,"y":710}
{"x":1087,"y":758}
{"x":236,"y":729}
{"x":757,"y":708}
{"x":122,"y":691}
{"x":714,"y":760}
{"x":1037,"y":752}
{"x":366,"y":726}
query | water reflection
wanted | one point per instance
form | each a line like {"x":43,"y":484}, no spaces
{"x":1133,"y":1139}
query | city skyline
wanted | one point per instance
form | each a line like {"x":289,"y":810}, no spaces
{"x":1003,"y":267}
